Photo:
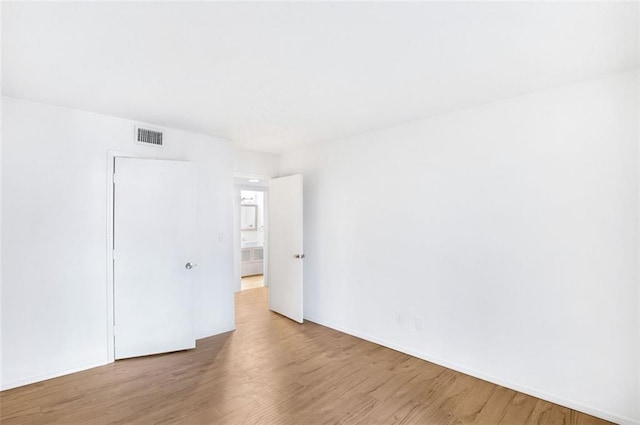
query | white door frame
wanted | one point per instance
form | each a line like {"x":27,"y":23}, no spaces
{"x":111,"y":158}
{"x":237,"y":244}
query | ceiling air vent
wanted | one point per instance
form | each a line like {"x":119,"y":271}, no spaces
{"x":149,"y":136}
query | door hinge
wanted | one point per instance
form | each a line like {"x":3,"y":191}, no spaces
{"x":113,"y":178}
{"x":113,"y":254}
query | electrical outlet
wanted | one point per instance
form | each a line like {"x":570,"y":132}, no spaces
{"x":418,"y":323}
{"x":399,"y":319}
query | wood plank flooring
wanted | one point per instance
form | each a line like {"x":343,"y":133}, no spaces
{"x":274,"y":371}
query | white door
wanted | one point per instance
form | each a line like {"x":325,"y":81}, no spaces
{"x":154,"y":242}
{"x":285,"y":247}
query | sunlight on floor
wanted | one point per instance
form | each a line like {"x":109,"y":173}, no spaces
{"x":251,"y":282}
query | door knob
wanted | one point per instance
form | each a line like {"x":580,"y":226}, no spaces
{"x":189,"y":266}
{"x":299,"y":255}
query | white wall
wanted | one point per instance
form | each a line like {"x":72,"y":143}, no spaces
{"x":519,"y":256}
{"x":254,"y":163}
{"x":54,"y":217}
{"x":1,"y":137}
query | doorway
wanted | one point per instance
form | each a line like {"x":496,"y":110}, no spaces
{"x":252,"y":238}
{"x":281,"y":240}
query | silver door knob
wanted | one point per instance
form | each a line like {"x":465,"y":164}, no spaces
{"x":299,"y":255}
{"x":189,"y":266}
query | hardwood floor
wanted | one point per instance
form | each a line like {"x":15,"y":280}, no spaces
{"x":274,"y":371}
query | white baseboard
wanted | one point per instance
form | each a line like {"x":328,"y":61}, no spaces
{"x":495,"y":380}
{"x":49,"y":375}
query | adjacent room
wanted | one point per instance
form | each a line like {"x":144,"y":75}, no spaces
{"x":252,"y":221}
{"x":320,"y":213}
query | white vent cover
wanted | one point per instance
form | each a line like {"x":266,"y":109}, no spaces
{"x":149,"y":136}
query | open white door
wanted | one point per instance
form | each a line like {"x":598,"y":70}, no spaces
{"x":154,"y":246}
{"x":285,"y":247}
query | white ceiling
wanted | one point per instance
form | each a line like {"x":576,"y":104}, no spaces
{"x":274,"y":76}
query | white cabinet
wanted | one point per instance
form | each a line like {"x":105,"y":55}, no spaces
{"x":252,"y":261}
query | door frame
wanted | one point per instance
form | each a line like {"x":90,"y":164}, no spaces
{"x":110,"y":168}
{"x":237,"y":244}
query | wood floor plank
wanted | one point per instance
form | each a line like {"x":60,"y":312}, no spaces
{"x":272,"y":370}
{"x":496,"y":406}
{"x":548,"y":413}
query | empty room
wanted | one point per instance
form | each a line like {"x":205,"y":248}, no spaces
{"x":320,"y":212}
